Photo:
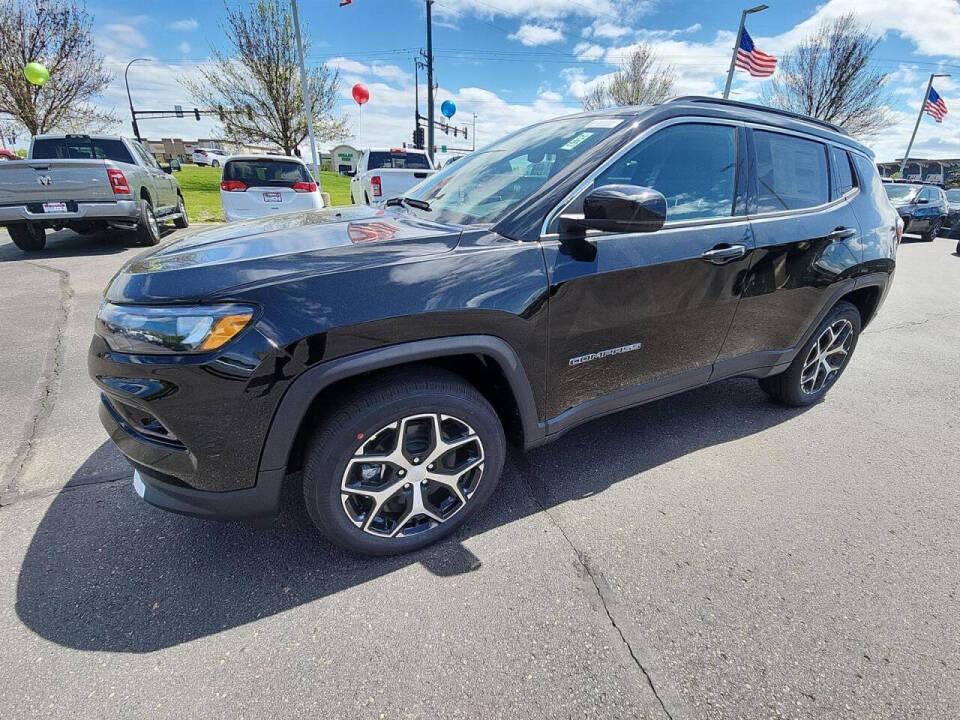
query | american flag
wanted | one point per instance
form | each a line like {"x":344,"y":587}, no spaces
{"x":345,"y":2}
{"x":935,"y":107}
{"x":757,"y":63}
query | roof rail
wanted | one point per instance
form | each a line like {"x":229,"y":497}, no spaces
{"x":761,"y":108}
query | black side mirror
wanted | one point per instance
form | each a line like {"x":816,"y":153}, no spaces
{"x":175,"y":165}
{"x":621,"y":208}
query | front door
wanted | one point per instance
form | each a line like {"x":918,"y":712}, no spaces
{"x":636,"y":315}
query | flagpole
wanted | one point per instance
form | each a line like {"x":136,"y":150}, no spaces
{"x":923,"y":104}
{"x":307,"y":94}
{"x":736,"y":46}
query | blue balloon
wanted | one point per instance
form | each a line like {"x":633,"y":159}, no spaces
{"x":448,"y":109}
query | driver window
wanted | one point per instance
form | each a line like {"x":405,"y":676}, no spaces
{"x":693,"y":166}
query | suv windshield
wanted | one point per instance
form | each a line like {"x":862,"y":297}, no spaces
{"x":397,"y":160}
{"x":953,"y":196}
{"x":80,"y":148}
{"x":489,"y":183}
{"x":901,"y":194}
{"x":266,"y":173}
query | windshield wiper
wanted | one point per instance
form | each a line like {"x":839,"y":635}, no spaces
{"x":411,"y":202}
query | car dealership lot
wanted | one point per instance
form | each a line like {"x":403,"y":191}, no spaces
{"x":709,"y":555}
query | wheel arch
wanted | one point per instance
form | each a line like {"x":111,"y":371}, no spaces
{"x":484,"y":361}
{"x":866,"y":299}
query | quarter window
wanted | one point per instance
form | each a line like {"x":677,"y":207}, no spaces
{"x":791,"y":172}
{"x":843,"y":175}
{"x":693,"y":166}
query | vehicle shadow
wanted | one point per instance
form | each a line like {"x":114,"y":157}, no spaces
{"x":105,"y":571}
{"x":67,"y":244}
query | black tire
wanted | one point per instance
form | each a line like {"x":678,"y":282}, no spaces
{"x":788,"y":388}
{"x":355,"y":422}
{"x":183,"y":220}
{"x":932,"y":233}
{"x":27,"y":236}
{"x":148,"y":229}
{"x":215,"y":163}
{"x":366,"y":198}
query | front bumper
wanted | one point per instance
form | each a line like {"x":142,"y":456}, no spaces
{"x":260,"y":501}
{"x":126,"y":210}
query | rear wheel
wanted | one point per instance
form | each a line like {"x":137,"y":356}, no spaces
{"x":820,"y":362}
{"x":215,"y":163}
{"x":27,"y":236}
{"x":402,"y":463}
{"x":182,"y":221}
{"x":148,"y":229}
{"x":934,"y":230}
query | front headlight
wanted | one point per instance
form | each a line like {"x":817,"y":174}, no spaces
{"x":172,"y":329}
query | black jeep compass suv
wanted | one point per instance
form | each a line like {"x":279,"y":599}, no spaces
{"x":578,"y":267}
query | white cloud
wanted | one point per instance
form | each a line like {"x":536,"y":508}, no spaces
{"x":533,"y":35}
{"x":126,"y":35}
{"x":185,"y":25}
{"x":588,"y":51}
{"x":390,"y":73}
{"x":184,"y":47}
{"x":544,"y":9}
{"x":609,"y":30}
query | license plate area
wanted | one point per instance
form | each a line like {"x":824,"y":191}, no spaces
{"x":54,"y":207}
{"x":274,"y":197}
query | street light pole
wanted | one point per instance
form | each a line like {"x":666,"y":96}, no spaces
{"x":923,"y":103}
{"x":736,"y":46}
{"x":136,"y":129}
{"x":307,"y":94}
{"x":430,"y":79}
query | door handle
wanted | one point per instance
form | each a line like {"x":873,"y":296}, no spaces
{"x":721,"y":255}
{"x":842,"y":233}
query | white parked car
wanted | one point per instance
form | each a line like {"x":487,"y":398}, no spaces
{"x":254,"y":186}
{"x":214,"y":157}
{"x":383,"y":173}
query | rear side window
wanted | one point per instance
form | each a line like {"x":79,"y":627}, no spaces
{"x":81,"y":149}
{"x":693,"y":166}
{"x":791,"y":172}
{"x":266,"y":173}
{"x":397,"y":160}
{"x":870,"y":179}
{"x":844,"y":180}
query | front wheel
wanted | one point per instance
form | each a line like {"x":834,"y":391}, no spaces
{"x":402,"y":462}
{"x":27,"y":236}
{"x":215,"y":163}
{"x":183,"y":221}
{"x":934,"y":230}
{"x":820,"y":361}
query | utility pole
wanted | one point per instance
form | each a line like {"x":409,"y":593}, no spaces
{"x":923,"y":104}
{"x":133,"y":114}
{"x":736,"y":46}
{"x":307,"y":94}
{"x":430,"y":79}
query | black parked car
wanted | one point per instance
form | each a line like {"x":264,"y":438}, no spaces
{"x":924,"y":208}
{"x":578,"y":267}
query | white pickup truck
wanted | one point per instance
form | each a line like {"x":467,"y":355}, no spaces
{"x":384,"y":173}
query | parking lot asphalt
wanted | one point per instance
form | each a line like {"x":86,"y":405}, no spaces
{"x":711,"y":555}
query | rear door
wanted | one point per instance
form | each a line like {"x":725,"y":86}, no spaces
{"x":648,"y":312}
{"x":808,"y":244}
{"x":162,"y":187}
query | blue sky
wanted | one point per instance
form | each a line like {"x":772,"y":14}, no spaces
{"x":517,"y":61}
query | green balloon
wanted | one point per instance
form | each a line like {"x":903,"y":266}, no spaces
{"x":36,"y":73}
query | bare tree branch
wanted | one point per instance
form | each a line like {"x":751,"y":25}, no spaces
{"x":258,"y":82}
{"x":829,"y":77}
{"x":57,"y":34}
{"x":641,"y":80}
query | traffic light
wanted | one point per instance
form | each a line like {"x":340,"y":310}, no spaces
{"x":419,"y":139}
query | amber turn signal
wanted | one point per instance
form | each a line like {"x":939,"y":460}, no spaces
{"x":225,"y":328}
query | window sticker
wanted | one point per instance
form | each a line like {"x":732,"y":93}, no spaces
{"x":571,"y":144}
{"x":604,"y":122}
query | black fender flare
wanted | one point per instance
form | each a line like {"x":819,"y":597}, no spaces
{"x":304,"y":389}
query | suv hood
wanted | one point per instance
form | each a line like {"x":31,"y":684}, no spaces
{"x":256,"y":252}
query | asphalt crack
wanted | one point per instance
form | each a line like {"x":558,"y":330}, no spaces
{"x":914,"y":323}
{"x":49,"y":385}
{"x":604,"y":592}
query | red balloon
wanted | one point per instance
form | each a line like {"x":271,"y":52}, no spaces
{"x":360,"y":93}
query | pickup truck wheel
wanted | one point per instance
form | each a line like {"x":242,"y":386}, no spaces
{"x":183,"y":221}
{"x":402,"y":463}
{"x":28,"y":237}
{"x":820,"y":362}
{"x":148,"y":229}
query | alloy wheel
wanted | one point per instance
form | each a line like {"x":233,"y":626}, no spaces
{"x":412,"y":475}
{"x":827,"y":356}
{"x":152,"y":222}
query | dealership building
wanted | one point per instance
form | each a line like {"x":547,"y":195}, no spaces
{"x":934,"y":171}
